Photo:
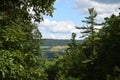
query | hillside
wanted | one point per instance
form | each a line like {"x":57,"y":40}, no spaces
{"x":51,"y":46}
{"x":58,"y":42}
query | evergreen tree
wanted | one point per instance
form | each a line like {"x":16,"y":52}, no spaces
{"x":107,"y":63}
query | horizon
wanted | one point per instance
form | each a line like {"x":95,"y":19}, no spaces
{"x":59,"y":39}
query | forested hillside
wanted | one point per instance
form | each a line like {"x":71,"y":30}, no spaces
{"x":58,"y":42}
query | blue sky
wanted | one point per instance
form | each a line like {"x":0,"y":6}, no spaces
{"x":65,"y":11}
{"x":69,"y":14}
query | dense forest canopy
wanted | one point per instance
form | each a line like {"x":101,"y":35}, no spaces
{"x":20,"y":54}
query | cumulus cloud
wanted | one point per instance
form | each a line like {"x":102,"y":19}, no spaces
{"x":57,"y":29}
{"x":103,"y":9}
{"x":58,"y":26}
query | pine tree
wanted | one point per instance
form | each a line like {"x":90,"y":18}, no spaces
{"x":89,"y":30}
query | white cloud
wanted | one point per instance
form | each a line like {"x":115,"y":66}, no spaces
{"x":58,"y":35}
{"x":57,"y":26}
{"x":103,"y":9}
{"x":57,"y":29}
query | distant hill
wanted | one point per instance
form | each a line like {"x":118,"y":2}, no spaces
{"x":58,"y":42}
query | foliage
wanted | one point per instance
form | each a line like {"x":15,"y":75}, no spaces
{"x":22,"y":8}
{"x":109,"y":49}
{"x":90,"y":21}
{"x":70,"y":66}
{"x":20,"y":54}
{"x":91,"y":41}
{"x":15,"y":65}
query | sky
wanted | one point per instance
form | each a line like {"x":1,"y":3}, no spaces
{"x":69,"y":13}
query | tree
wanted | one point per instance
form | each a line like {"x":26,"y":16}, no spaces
{"x":89,"y":32}
{"x":108,"y":51}
{"x":20,"y":39}
{"x":90,"y":21}
{"x":73,"y":43}
{"x":70,"y":66}
{"x":21,"y":8}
